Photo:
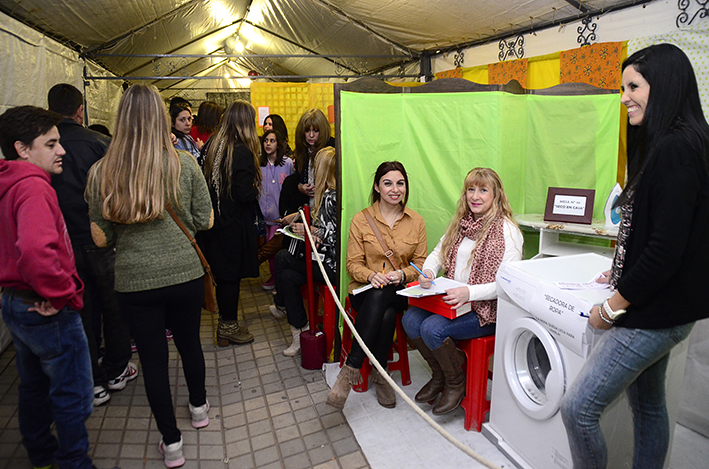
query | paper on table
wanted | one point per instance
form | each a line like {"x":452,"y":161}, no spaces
{"x":442,"y":284}
{"x":591,"y":284}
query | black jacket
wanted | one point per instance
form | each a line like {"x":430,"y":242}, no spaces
{"x":665,"y":271}
{"x":83,"y":148}
{"x":230,"y":246}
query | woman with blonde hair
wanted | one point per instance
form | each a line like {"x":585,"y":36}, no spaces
{"x":481,"y":235}
{"x":231,"y":167}
{"x":158,"y":274}
{"x":291,"y":271}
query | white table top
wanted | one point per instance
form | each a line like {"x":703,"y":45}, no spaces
{"x":596,"y":228}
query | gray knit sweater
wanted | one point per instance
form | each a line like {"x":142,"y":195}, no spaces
{"x":157,"y":254}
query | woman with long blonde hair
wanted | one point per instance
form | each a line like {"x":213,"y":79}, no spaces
{"x":481,"y":235}
{"x":231,"y":167}
{"x":158,"y":276}
{"x":291,"y":271}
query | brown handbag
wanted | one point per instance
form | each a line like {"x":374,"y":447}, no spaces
{"x":209,"y":303}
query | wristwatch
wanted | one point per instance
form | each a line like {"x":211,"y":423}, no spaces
{"x":612,"y":315}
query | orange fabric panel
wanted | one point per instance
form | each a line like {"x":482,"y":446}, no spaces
{"x":501,"y":73}
{"x":597,"y":65}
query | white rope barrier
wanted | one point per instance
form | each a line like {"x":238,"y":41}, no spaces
{"x":382,"y":372}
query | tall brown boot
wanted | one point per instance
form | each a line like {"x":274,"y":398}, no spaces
{"x":385,"y":393}
{"x":452,"y":361}
{"x":430,"y":390}
{"x":347,"y":378}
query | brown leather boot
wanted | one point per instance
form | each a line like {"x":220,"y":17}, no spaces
{"x":433,"y":388}
{"x":452,"y":361}
{"x":230,"y":332}
{"x":385,"y":393}
{"x":347,"y":378}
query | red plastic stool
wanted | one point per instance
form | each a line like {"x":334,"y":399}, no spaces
{"x":329,"y":313}
{"x":475,"y":403}
{"x":398,"y":345}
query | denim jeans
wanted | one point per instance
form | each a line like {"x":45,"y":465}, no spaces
{"x":630,"y":360}
{"x":434,"y":328}
{"x":55,"y":383}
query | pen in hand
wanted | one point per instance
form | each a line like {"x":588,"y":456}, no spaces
{"x":384,"y":264}
{"x":419,"y":271}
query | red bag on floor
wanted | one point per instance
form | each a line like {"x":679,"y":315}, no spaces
{"x":312,"y":349}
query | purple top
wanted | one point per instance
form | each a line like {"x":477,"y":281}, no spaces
{"x":272,"y":180}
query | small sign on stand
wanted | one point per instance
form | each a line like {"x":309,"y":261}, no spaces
{"x":567,"y":205}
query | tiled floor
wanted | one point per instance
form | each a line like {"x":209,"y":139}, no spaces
{"x":269,"y":412}
{"x":266,"y":411}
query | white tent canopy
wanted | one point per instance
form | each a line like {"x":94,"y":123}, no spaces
{"x":288,"y":39}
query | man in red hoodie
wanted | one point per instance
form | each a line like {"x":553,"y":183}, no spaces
{"x":42,"y":293}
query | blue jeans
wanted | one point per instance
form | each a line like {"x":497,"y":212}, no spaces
{"x":630,"y":360}
{"x":434,"y":329}
{"x":55,"y":383}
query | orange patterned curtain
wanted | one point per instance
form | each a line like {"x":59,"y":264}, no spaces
{"x":597,"y":65}
{"x":454,"y":73}
{"x":502,"y":72}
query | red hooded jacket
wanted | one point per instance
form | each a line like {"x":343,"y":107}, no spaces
{"x":35,"y":250}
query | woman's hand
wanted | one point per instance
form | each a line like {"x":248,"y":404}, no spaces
{"x":425,"y":281}
{"x":199,"y":143}
{"x":307,"y":189}
{"x":595,"y":320}
{"x":605,"y":277}
{"x":456,"y":297}
{"x":287,"y":220}
{"x":298,"y":229}
{"x":44,"y":308}
{"x":379,"y":280}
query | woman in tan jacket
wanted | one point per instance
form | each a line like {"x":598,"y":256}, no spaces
{"x":404,"y":233}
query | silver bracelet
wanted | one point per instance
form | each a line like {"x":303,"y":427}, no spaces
{"x":600,"y":313}
{"x":403,"y":277}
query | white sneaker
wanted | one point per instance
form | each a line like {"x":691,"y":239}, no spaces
{"x":101,"y":396}
{"x":294,"y":349}
{"x":278,"y":312}
{"x":173,"y":453}
{"x":200,"y":415}
{"x":120,"y":381}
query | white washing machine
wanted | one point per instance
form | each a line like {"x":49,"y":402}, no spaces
{"x":542,"y":341}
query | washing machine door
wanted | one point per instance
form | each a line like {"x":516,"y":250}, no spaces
{"x":533,"y":368}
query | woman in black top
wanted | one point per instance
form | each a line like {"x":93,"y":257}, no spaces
{"x":659,"y":269}
{"x":232,"y":171}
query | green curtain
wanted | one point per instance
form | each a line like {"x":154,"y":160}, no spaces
{"x":533,"y":142}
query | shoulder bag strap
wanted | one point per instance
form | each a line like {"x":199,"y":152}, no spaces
{"x":388,"y":253}
{"x":202,"y":259}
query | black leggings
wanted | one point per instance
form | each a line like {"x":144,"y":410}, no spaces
{"x":227,"y":293}
{"x":149,"y":313}
{"x":376,"y":322}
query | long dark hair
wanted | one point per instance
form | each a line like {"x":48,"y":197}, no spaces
{"x":673,"y":107}
{"x":279,"y":124}
{"x":280,"y":153}
{"x":208,"y":117}
{"x":379,"y":174}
